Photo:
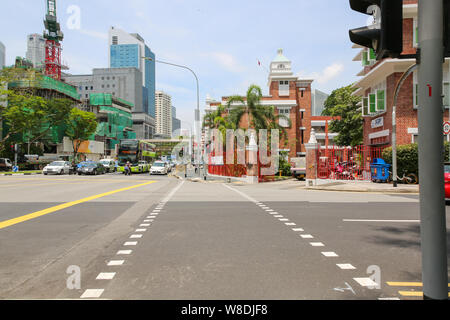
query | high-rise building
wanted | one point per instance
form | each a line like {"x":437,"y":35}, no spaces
{"x":128,"y":50}
{"x":2,"y":55}
{"x":318,"y":102}
{"x":36,"y":50}
{"x":176,"y":123}
{"x":163,"y":113}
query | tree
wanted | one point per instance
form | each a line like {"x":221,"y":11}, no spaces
{"x":341,"y":103}
{"x":80,"y":126}
{"x":260,"y":117}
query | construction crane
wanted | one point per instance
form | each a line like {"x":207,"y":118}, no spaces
{"x":53,"y":36}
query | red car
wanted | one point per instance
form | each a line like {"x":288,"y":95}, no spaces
{"x":447,"y":181}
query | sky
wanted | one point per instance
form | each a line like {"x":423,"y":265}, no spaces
{"x":221,"y":40}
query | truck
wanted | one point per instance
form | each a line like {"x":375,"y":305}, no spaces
{"x":298,"y":168}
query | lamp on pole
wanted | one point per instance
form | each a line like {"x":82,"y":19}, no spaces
{"x":197,"y":111}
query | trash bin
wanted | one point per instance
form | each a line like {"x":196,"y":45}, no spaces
{"x":379,"y":170}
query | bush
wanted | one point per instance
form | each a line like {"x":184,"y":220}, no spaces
{"x":408,"y":157}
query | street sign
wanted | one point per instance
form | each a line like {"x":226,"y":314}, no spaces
{"x":447,"y":128}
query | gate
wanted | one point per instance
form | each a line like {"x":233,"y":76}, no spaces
{"x":347,"y":163}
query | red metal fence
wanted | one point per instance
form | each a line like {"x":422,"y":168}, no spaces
{"x":347,"y":163}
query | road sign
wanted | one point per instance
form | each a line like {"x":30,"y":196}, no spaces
{"x":447,"y":128}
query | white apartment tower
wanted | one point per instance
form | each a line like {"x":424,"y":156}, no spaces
{"x":2,"y":55}
{"x":163,"y":104}
{"x":36,"y":50}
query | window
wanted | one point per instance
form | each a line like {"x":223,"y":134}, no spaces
{"x":92,"y":88}
{"x":103,"y":85}
{"x":446,"y":94}
{"x":281,"y":66}
{"x":366,"y":106}
{"x":381,"y":101}
{"x":372,"y":103}
{"x":284,"y":122}
{"x":283,"y":89}
{"x":115,"y":40}
{"x":86,"y":88}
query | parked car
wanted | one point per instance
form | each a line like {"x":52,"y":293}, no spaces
{"x":57,"y":167}
{"x":109,"y":164}
{"x":447,"y":180}
{"x":91,"y":168}
{"x":159,"y":167}
{"x":5,"y":164}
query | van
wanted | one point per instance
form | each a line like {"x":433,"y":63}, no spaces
{"x":5,"y":164}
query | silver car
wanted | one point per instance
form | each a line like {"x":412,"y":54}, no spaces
{"x":109,"y":164}
{"x":57,"y":167}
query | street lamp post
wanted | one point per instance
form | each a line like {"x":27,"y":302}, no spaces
{"x":197,"y":111}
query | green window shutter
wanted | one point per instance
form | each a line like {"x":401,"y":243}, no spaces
{"x":365,"y":106}
{"x":365,"y":58}
{"x":372,"y":103}
{"x":372,"y":55}
{"x":381,"y":101}
{"x":416,"y":98}
{"x":417,"y":36}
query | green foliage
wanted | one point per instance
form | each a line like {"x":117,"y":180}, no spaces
{"x":80,"y":126}
{"x":341,"y":103}
{"x":407,"y":158}
{"x":284,"y":164}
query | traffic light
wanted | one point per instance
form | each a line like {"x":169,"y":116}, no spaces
{"x":385,"y":35}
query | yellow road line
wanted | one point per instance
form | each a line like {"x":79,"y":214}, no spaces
{"x":406,"y":284}
{"x":413,"y":294}
{"x":37,"y":214}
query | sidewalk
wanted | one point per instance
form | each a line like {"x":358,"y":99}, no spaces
{"x":365,"y":186}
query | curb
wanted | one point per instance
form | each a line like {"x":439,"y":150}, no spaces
{"x":19,"y":174}
{"x":390,"y":191}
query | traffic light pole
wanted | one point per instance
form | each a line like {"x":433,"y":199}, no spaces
{"x":432,"y":198}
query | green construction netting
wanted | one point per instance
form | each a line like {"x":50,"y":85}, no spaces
{"x":100,"y":99}
{"x":45,"y":82}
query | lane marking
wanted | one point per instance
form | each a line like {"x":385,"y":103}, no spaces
{"x":136,"y":236}
{"x":366,"y":282}
{"x":290,"y":224}
{"x":393,"y":298}
{"x":346,"y":266}
{"x":284,"y":219}
{"x":330,"y":254}
{"x":406,"y":284}
{"x":298,"y":229}
{"x":279,"y":216}
{"x":130,"y":243}
{"x":306,"y":236}
{"x":92,"y":293}
{"x":126,"y":252}
{"x":37,"y":214}
{"x":274,"y":213}
{"x":106,"y":276}
{"x":115,"y":263}
{"x":393,"y":221}
{"x":141,"y":230}
{"x":144,"y":225}
{"x":317,"y":244}
{"x":413,"y":294}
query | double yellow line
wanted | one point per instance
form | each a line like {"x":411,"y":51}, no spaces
{"x":37,"y":214}
{"x":409,"y":284}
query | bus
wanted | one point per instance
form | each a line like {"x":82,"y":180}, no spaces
{"x":139,"y":153}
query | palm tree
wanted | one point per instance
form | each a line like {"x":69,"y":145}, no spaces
{"x":259,"y":116}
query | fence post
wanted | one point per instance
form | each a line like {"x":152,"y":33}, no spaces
{"x":311,"y":160}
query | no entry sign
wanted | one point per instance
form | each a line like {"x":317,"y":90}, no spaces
{"x":447,"y":128}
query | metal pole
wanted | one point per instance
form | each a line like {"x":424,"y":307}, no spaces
{"x":197,"y":111}
{"x":394,"y":122}
{"x":431,"y":169}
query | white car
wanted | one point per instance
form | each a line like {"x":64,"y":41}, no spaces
{"x":159,"y":167}
{"x":57,"y":167}
{"x":109,"y":164}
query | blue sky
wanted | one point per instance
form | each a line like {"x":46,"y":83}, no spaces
{"x":221,"y":40}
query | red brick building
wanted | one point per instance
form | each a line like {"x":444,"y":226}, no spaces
{"x":377,"y":86}
{"x":292,"y":97}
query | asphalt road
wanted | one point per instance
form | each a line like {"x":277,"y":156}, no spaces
{"x":157,"y":237}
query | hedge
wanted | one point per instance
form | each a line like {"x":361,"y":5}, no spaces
{"x":408,"y":157}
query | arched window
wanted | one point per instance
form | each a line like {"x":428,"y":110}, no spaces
{"x":281,"y":66}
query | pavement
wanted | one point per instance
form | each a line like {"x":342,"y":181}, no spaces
{"x":159,"y":237}
{"x":365,"y":186}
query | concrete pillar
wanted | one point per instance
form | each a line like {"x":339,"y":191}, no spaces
{"x":252,"y":162}
{"x":311,"y":160}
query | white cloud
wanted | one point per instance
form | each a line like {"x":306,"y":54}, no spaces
{"x":326,"y":75}
{"x":227,"y":61}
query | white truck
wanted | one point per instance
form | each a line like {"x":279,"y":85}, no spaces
{"x":298,"y":168}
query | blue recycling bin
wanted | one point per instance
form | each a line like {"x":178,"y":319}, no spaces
{"x":379,"y":170}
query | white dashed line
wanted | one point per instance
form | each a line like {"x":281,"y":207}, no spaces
{"x":141,"y":230}
{"x":306,"y":236}
{"x":279,"y":216}
{"x":106,"y":276}
{"x":269,"y":210}
{"x":116,"y":263}
{"x":144,"y":225}
{"x":283,"y":219}
{"x":92,"y":293}
{"x":393,"y":298}
{"x":130,"y":243}
{"x":273,"y":213}
{"x":317,"y":244}
{"x":290,"y":224}
{"x":148,"y":220}
{"x":136,"y":236}
{"x":366,"y":282}
{"x":298,"y":229}
{"x":330,"y":254}
{"x":346,"y":266}
{"x":124,"y":252}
